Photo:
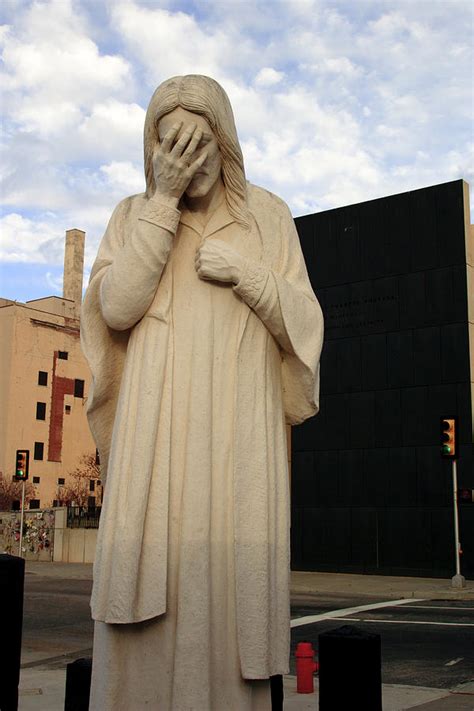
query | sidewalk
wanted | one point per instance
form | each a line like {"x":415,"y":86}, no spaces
{"x":42,"y":689}
{"x":304,"y":585}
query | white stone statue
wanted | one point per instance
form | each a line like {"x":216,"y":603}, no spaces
{"x":203,"y":336}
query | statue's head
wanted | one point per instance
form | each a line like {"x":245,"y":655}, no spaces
{"x":204,"y":96}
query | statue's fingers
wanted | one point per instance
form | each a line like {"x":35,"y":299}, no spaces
{"x":195,"y":165}
{"x":170,"y":135}
{"x":193,"y":144}
{"x":183,"y":141}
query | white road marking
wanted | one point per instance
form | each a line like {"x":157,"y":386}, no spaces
{"x":337,"y":614}
{"x":439,"y":607}
{"x":453,"y":662}
{"x":383,"y":621}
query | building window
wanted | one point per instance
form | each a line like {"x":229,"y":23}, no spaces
{"x":40,"y":410}
{"x":61,"y":481}
{"x":34,"y":503}
{"x":36,"y":479}
{"x":91,"y":485}
{"x":91,"y":501}
{"x":63,"y":355}
{"x":67,"y":409}
{"x":42,"y":377}
{"x":55,"y":503}
{"x":97,"y":458}
{"x":78,"y":388}
{"x":39,"y":450}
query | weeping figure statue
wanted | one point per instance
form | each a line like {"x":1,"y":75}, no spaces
{"x":203,"y":336}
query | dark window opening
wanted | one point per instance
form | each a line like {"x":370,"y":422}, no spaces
{"x":63,"y":355}
{"x":42,"y":377}
{"x":39,"y":450}
{"x":97,"y":457}
{"x":78,"y":388}
{"x":34,"y":503}
{"x":36,"y":479}
{"x":92,"y":485}
{"x":40,"y":410}
{"x":91,"y":501}
{"x":61,"y":481}
{"x":68,"y":409}
{"x":55,"y":503}
{"x":16,"y":505}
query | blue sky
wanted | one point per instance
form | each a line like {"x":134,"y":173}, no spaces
{"x":335,"y":103}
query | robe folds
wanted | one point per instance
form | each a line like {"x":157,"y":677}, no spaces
{"x":269,"y":330}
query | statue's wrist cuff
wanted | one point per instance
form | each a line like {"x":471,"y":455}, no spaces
{"x":252,"y":283}
{"x":161,"y":215}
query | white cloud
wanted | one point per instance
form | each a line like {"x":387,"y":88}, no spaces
{"x":267,"y":76}
{"x":26,"y":240}
{"x":171,"y":43}
{"x":112,"y":129}
{"x":55,"y":282}
{"x":334,"y":102}
{"x":124,"y":176}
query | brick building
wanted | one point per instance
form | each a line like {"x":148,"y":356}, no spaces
{"x":44,"y":381}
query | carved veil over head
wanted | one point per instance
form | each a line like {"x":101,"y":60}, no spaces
{"x":204,"y":96}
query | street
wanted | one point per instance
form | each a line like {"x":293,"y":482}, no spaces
{"x":428,"y":643}
{"x":56,"y":621}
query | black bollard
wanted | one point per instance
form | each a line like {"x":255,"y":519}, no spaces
{"x":350,"y":670}
{"x":276,"y":689}
{"x":78,"y":685}
{"x":12,"y":580}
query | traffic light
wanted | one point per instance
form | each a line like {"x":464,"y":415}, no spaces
{"x":448,"y":437}
{"x":22,"y":464}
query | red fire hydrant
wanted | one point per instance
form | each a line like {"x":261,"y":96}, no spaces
{"x":305,"y":668}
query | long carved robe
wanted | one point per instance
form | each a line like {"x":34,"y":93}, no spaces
{"x":192,"y":383}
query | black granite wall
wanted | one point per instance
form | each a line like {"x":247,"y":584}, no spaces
{"x":370,"y":491}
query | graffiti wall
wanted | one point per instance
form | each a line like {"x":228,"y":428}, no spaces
{"x":38,"y":534}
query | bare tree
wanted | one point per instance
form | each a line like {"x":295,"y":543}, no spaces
{"x":10,"y":491}
{"x":77,"y":488}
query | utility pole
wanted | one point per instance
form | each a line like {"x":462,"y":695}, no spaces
{"x":449,"y":451}
{"x":458,"y":580}
{"x":22,"y":465}
{"x":20,"y":552}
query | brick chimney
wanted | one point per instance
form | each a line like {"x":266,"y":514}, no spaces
{"x":74,"y":268}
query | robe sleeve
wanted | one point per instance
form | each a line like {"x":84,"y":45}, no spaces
{"x":134,"y":241}
{"x":128,"y":287}
{"x":282,"y":297}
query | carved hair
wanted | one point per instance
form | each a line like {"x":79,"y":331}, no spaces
{"x":204,"y":96}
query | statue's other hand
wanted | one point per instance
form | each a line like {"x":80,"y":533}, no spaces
{"x":218,"y":261}
{"x":173,"y":164}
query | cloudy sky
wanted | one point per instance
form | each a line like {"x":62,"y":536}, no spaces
{"x":336,"y":102}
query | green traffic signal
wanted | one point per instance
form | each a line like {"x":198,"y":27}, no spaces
{"x":448,"y":437}
{"x":22,"y":464}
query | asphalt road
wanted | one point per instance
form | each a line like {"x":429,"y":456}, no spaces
{"x":428,"y":643}
{"x":57,"y":625}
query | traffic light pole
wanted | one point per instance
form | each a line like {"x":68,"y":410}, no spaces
{"x":20,"y":552}
{"x":458,"y":580}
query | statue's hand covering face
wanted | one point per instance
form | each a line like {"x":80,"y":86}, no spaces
{"x":209,"y":173}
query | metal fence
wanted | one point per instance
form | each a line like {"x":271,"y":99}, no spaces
{"x":83,"y":516}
